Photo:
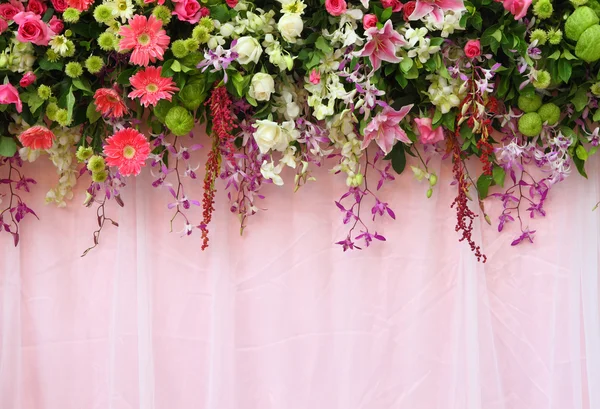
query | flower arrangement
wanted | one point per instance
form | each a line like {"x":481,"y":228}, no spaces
{"x":105,"y":88}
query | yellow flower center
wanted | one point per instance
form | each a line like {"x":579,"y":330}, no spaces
{"x":151,"y":87}
{"x":144,"y":39}
{"x":128,"y":152}
{"x":122,"y":6}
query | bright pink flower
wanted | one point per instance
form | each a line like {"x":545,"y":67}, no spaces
{"x":473,"y":48}
{"x":150,"y":87}
{"x":8,"y":11}
{"x":231,"y":3}
{"x":426,"y":133}
{"x":81,"y":5}
{"x":147,"y":39}
{"x":187,"y":10}
{"x":436,"y":8}
{"x":381,"y":45}
{"x":517,"y":7}
{"x":10,"y":95}
{"x":336,"y":7}
{"x":127,"y":149}
{"x":395,"y":5}
{"x":408,"y":9}
{"x":204,"y":12}
{"x":56,"y":25}
{"x":59,"y":5}
{"x":385,"y":128}
{"x":161,"y":2}
{"x":3,"y":25}
{"x":109,"y":103}
{"x":27,"y":79}
{"x":37,"y":137}
{"x":32,"y":29}
{"x":37,"y":7}
{"x":369,"y":20}
{"x":315,"y":77}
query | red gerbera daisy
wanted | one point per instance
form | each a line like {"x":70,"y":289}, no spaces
{"x":150,"y":87}
{"x":37,"y":137}
{"x":146,"y":38}
{"x":127,"y":149}
{"x":109,"y":103}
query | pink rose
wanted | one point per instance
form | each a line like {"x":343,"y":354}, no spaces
{"x":187,"y":10}
{"x":426,"y":133}
{"x":231,"y":3}
{"x":315,"y":77}
{"x":3,"y":25}
{"x":204,"y":12}
{"x":37,"y":7}
{"x":27,"y":79}
{"x":10,"y":95}
{"x":59,"y":5}
{"x":395,"y":5}
{"x":369,"y":20}
{"x":56,"y":25}
{"x":8,"y":11}
{"x":473,"y":48}
{"x":408,"y":9}
{"x":517,"y":7}
{"x":335,"y":7}
{"x":32,"y":29}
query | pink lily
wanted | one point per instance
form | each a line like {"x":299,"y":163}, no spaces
{"x":382,"y":44}
{"x":436,"y":8}
{"x":385,"y":128}
{"x":10,"y":95}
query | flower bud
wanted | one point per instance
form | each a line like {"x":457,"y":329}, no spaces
{"x":432,"y":180}
{"x":429,"y":193}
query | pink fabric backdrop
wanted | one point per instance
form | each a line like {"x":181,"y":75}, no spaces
{"x":283,"y":319}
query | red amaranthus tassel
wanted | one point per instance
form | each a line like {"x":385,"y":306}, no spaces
{"x":213,"y":164}
{"x":464,"y":215}
{"x":220,"y":105}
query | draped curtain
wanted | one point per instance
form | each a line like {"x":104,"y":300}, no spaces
{"x":281,"y":318}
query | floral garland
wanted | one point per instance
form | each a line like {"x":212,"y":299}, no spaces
{"x":104,"y":88}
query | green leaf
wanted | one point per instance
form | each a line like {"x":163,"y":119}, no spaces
{"x":449,"y":120}
{"x":581,"y":153}
{"x":8,"y":146}
{"x":166,"y":69}
{"x":70,"y":101}
{"x":567,"y":54}
{"x":483,"y":185}
{"x":476,"y":21}
{"x":555,"y":55}
{"x":176,"y":66}
{"x":91,"y":113}
{"x":437,"y":117}
{"x":498,"y":174}
{"x":406,"y":64}
{"x":401,"y":79}
{"x":596,"y":116}
{"x":83,"y":84}
{"x":398,"y":157}
{"x":251,"y":101}
{"x":124,"y":76}
{"x":580,"y":164}
{"x":34,"y":102}
{"x":219,"y":12}
{"x":580,"y":99}
{"x":50,"y":66}
{"x":564,"y":70}
{"x":323,"y":45}
{"x":386,"y":14}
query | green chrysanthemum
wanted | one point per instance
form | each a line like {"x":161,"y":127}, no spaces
{"x":52,"y":56}
{"x":44,"y":92}
{"x":578,"y":3}
{"x":543,"y":80}
{"x":555,"y":36}
{"x":201,"y":34}
{"x":530,"y":124}
{"x":71,"y":15}
{"x":107,"y":41}
{"x":543,"y":9}
{"x":103,"y":14}
{"x":100,"y":176}
{"x":62,"y":117}
{"x":529,"y":102}
{"x":70,"y":49}
{"x":595,"y":89}
{"x":73,"y":69}
{"x":96,"y":164}
{"x":549,"y":113}
{"x":192,"y":45}
{"x":179,"y":121}
{"x":207,"y":23}
{"x":51,"y":111}
{"x":94,"y":64}
{"x":163,"y":13}
{"x":84,"y":154}
{"x":179,"y":49}
{"x":538,"y":35}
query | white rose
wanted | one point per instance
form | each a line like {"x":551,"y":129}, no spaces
{"x":261,"y":87}
{"x":227,"y":29}
{"x":290,"y":26}
{"x":248,"y":50}
{"x":269,"y":135}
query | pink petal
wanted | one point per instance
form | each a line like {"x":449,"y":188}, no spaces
{"x":454,"y":5}
{"x":421,"y":10}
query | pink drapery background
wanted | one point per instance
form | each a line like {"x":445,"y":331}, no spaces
{"x":283,"y":319}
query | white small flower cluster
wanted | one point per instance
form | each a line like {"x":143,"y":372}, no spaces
{"x":342,"y":134}
{"x":61,"y":155}
{"x":346,"y":35}
{"x":448,"y":25}
{"x":443,"y":93}
{"x":18,"y":57}
{"x":288,"y":103}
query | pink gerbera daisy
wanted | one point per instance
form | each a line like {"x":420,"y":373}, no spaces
{"x":146,"y":38}
{"x":37,"y":137}
{"x":127,"y":149}
{"x":109,"y":103}
{"x":151,"y":87}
